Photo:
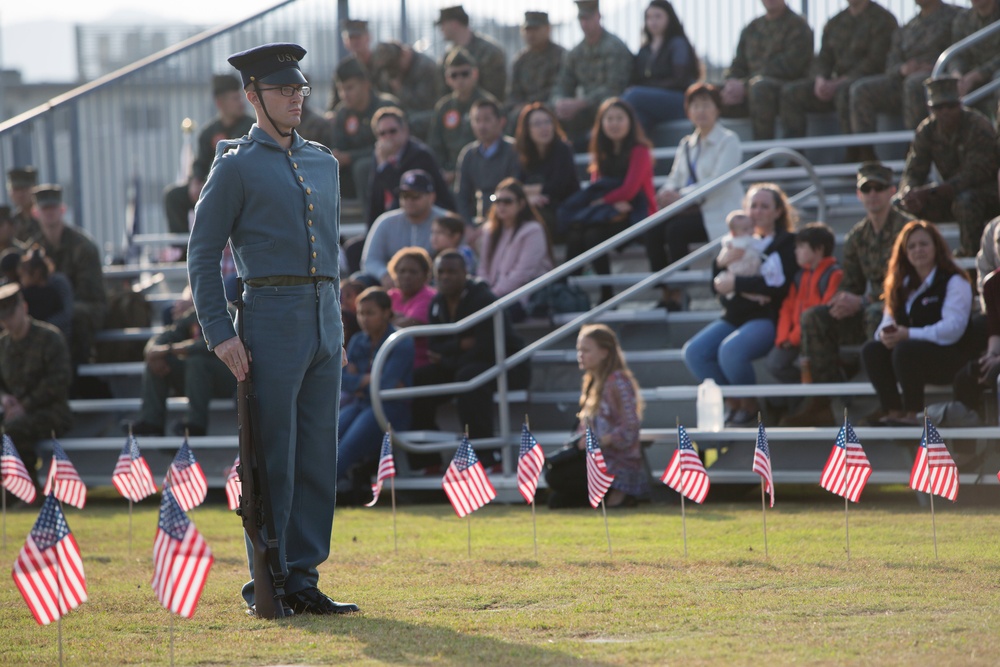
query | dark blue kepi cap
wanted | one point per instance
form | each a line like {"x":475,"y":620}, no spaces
{"x":272,"y":64}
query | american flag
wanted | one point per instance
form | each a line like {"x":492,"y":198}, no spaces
{"x":132,"y":476}
{"x":49,"y":569}
{"x":386,"y":468}
{"x":15,"y":476}
{"x":530,"y":460}
{"x":186,"y":479}
{"x":847,"y":470}
{"x":234,"y":487}
{"x":181,"y":559}
{"x":686,"y":473}
{"x":598,"y":478}
{"x":63,"y":481}
{"x":465,"y":482}
{"x":934,"y":471}
{"x":762,"y":461}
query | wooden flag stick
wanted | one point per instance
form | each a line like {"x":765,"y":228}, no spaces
{"x":763,"y":514}
{"x":392,"y":490}
{"x":59,"y":604}
{"x":534,"y":523}
{"x":684,"y":529}
{"x":129,"y":526}
{"x":933,"y":526}
{"x":3,"y":496}
{"x":927,"y":464}
{"x":847,"y":525}
{"x":469,"y":524}
{"x":607,"y":532}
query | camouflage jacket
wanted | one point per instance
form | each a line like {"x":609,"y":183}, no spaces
{"x":451,"y":129}
{"x":78,"y":258}
{"x":36,"y":369}
{"x":855,"y":46}
{"x":533,"y":75}
{"x":352,"y":130}
{"x":983,"y":56}
{"x":867,"y":253}
{"x":965,"y":159}
{"x":781,"y":48}
{"x":923,"y":38}
{"x":601,"y":70}
{"x":491,"y":60}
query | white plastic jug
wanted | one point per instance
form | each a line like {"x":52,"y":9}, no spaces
{"x":710,"y":407}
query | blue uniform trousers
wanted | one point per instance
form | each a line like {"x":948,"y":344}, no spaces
{"x":295,"y":338}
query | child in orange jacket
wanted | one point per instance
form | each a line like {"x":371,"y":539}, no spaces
{"x":815,"y":283}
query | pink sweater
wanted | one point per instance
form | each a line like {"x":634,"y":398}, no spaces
{"x":518,"y":259}
{"x":416,"y":307}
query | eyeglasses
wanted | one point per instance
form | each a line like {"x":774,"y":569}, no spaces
{"x":289,"y":91}
{"x":460,"y":74}
{"x":388,"y":132}
{"x":873,"y":187}
{"x":506,"y":201}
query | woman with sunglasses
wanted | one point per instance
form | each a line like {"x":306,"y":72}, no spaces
{"x":545,"y":159}
{"x":515,"y":247}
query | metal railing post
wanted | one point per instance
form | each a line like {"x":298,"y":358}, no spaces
{"x":500,"y":349}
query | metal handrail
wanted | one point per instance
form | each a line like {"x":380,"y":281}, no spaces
{"x":961,"y":45}
{"x":497,"y":308}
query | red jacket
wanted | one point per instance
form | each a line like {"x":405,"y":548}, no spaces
{"x":803,"y":295}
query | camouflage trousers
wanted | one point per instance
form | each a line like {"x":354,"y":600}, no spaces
{"x":760,"y":104}
{"x":887,"y":94}
{"x":971,"y":209}
{"x":797,"y":99}
{"x":822,"y":336}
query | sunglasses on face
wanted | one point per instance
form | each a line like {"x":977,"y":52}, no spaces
{"x":289,"y":91}
{"x":460,"y":74}
{"x":388,"y":132}
{"x":873,"y":187}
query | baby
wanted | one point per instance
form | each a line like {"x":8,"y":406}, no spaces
{"x":740,"y":237}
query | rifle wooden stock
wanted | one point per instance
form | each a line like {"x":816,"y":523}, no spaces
{"x":255,"y":505}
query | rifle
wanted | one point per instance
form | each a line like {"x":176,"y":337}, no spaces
{"x":255,"y":500}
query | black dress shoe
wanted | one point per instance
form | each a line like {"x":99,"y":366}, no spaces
{"x":312,"y":601}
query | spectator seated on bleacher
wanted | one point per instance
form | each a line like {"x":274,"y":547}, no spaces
{"x":725,"y":349}
{"x":855,"y":44}
{"x":179,"y":361}
{"x":232,"y":122}
{"x":978,"y":64}
{"x":514,"y":246}
{"x":8,"y":231}
{"x":707,"y":153}
{"x":464,"y":355}
{"x":545,"y":161}
{"x":20,"y":182}
{"x":535,"y":68}
{"x":611,"y":405}
{"x":413,"y":77}
{"x":854,"y":312}
{"x":76,"y":256}
{"x":451,"y":130}
{"x":357,"y":42}
{"x":359,"y":431}
{"x":352,"y":138}
{"x":980,"y":375}
{"x":48,"y":292}
{"x":664,"y":67}
{"x":410,"y":225}
{"x":349,"y":291}
{"x":815,"y":283}
{"x":447,"y":233}
{"x":396,"y":152}
{"x":961,"y":143}
{"x":620,"y":192}
{"x":900,"y":89}
{"x":920,"y":338}
{"x":453,"y":22}
{"x":410,"y":269}
{"x":35,"y":377}
{"x":594,"y":70}
{"x":773,"y":50}
{"x":483,"y":163}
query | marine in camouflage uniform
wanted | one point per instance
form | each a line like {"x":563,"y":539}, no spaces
{"x":451,"y":128}
{"x":35,"y":370}
{"x":486,"y":51}
{"x":853,"y":46}
{"x":867,"y":251}
{"x":979,"y":63}
{"x":75,"y":255}
{"x":20,"y":182}
{"x":915,"y":47}
{"x":535,"y":68}
{"x":966,"y":159}
{"x":600,"y":69}
{"x":771,"y":52}
{"x":418,"y":87}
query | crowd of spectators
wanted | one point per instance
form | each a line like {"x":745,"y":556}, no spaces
{"x":465,"y":173}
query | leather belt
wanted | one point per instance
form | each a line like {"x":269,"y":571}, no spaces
{"x":285,"y":281}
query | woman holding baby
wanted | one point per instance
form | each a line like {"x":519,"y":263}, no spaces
{"x":725,"y":349}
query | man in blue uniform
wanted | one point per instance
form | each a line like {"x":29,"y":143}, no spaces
{"x":275,"y":198}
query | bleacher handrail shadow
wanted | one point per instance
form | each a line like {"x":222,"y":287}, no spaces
{"x":496,"y":310}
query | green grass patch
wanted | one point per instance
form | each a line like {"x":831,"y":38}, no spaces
{"x":430,"y":604}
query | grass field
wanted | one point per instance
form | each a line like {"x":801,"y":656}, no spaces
{"x":726,"y":603}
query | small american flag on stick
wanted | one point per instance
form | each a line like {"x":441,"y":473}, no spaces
{"x":386,"y":468}
{"x":762,"y":461}
{"x":530,"y":459}
{"x":934,"y":471}
{"x":64,"y":482}
{"x":598,"y":478}
{"x":186,"y":479}
{"x":181,"y":559}
{"x":847,"y":469}
{"x":234,"y":487}
{"x":132,"y":476}
{"x":686,"y":473}
{"x":465,"y":482}
{"x":16,"y":478}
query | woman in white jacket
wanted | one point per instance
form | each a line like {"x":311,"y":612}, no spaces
{"x":708,"y":152}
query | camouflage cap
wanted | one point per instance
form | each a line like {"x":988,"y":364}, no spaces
{"x":22,"y":177}
{"x":535,"y":20}
{"x":47,"y":194}
{"x":942,"y":90}
{"x":456,"y":13}
{"x":350,"y":68}
{"x":874,"y":172}
{"x":225,"y":83}
{"x":354,"y":27}
{"x":586,"y":8}
{"x":460,"y":57}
